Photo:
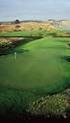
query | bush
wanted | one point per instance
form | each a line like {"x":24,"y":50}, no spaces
{"x":5,"y":43}
{"x":55,"y":105}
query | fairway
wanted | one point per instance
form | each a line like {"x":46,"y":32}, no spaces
{"x":38,"y":66}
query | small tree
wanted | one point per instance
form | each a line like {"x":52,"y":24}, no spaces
{"x":17,"y":21}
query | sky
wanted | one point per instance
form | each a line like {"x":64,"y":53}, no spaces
{"x":34,"y":9}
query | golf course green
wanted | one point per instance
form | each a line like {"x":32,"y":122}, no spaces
{"x":39,"y":65}
{"x":33,"y":71}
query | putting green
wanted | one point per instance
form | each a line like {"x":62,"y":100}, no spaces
{"x":39,"y":65}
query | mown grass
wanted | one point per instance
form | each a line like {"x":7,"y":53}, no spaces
{"x":34,"y":63}
{"x":38,"y":69}
{"x":38,"y":33}
{"x":15,"y":102}
{"x":24,"y":33}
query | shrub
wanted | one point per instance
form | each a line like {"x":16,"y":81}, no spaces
{"x":55,"y":105}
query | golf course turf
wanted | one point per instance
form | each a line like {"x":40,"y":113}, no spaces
{"x":36,"y":69}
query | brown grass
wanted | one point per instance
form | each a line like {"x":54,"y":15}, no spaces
{"x":25,"y":26}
